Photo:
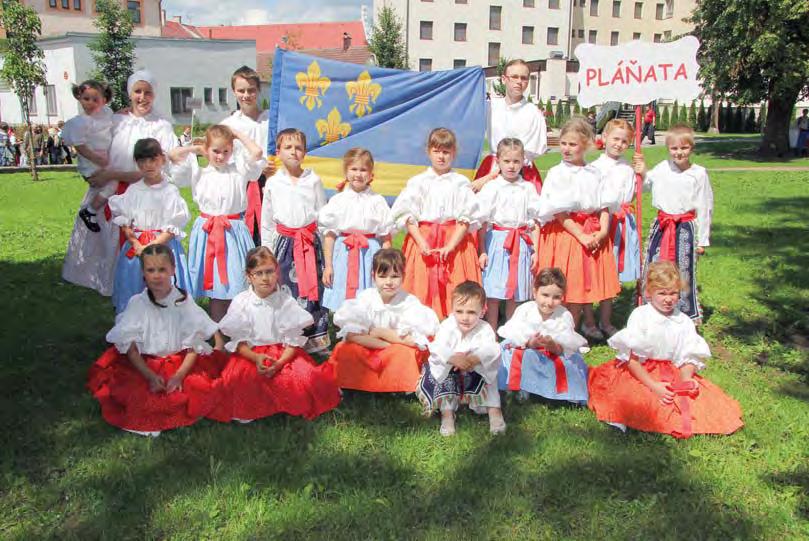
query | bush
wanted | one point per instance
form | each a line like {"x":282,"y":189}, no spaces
{"x":738,"y":120}
{"x":750,"y":121}
{"x":559,"y":114}
{"x":665,"y":120}
{"x":675,"y":113}
{"x":702,"y":118}
{"x":692,"y":115}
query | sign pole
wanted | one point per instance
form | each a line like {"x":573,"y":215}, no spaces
{"x":639,"y":202}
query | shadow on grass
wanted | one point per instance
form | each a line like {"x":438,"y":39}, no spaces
{"x":736,"y":150}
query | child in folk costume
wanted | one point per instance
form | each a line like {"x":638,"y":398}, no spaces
{"x":440,"y":211}
{"x":618,"y":187}
{"x":268,"y":372}
{"x":158,"y":374}
{"x":683,"y":196}
{"x":510,"y":205}
{"x":151,"y":211}
{"x":542,"y":353}
{"x":219,"y":238}
{"x":575,"y":237}
{"x":653,"y":385}
{"x":463,"y":363}
{"x":514,"y":116}
{"x":385,"y":331}
{"x":355,"y":223}
{"x":292,"y":199}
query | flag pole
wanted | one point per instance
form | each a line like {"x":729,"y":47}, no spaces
{"x":639,"y":203}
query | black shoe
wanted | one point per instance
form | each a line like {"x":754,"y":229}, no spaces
{"x":89,"y":220}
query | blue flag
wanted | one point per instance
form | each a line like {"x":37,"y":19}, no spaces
{"x":340,"y":106}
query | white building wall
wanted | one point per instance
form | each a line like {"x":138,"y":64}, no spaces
{"x":78,"y":15}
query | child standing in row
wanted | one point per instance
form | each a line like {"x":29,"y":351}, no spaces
{"x":463,"y":363}
{"x":683,"y":196}
{"x":219,"y":239}
{"x":386,"y":332}
{"x":576,"y":237}
{"x":509,"y":205}
{"x":439,"y":210}
{"x":292,"y":199}
{"x":151,"y":211}
{"x":652,"y":385}
{"x":355,"y":223}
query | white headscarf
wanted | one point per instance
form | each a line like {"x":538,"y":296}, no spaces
{"x":141,"y":75}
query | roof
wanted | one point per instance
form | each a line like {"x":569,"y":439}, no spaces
{"x":326,"y":35}
{"x":174,"y":29}
{"x":354,"y":55}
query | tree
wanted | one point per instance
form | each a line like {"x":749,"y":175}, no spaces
{"x":386,"y":42}
{"x":549,"y":120}
{"x":738,"y":120}
{"x":692,"y":115}
{"x":682,"y":116}
{"x":762,"y":118}
{"x":576,"y":108}
{"x":675,"y":113}
{"x":665,"y":120}
{"x":567,"y":110}
{"x":113,"y":49}
{"x":24,"y":62}
{"x":559,"y":114}
{"x":702,"y":117}
{"x":750,"y":121}
{"x":754,"y":51}
{"x":498,"y":86}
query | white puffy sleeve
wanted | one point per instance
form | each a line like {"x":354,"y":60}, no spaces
{"x":237,"y":324}
{"x":176,"y":213}
{"x":486,"y":199}
{"x":466,"y":206}
{"x":418,"y":321}
{"x":75,"y":131}
{"x":486,"y":348}
{"x":441,"y":349}
{"x":704,"y":207}
{"x":268,"y":233}
{"x":320,"y":195}
{"x":407,"y":206}
{"x":130,"y":327}
{"x":196,"y":327}
{"x":633,"y":338}
{"x":613,"y":186}
{"x":518,"y":330}
{"x":330,"y":215}
{"x":121,"y":208}
{"x":558,"y":195}
{"x":248,"y":168}
{"x":165,"y":135}
{"x":692,"y":348}
{"x":564,"y":333}
{"x":292,"y":321}
{"x":353,"y":317}
{"x":186,"y":173}
{"x":381,"y":211}
{"x":536,"y":143}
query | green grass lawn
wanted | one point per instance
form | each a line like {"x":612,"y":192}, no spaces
{"x":374,"y":468}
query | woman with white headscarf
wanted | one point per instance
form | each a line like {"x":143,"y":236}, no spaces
{"x":90,"y":258}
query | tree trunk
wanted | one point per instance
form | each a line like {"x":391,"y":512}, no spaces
{"x":714,"y":124}
{"x":775,"y":141}
{"x":29,"y":148}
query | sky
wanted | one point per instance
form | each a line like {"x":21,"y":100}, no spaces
{"x":239,"y":12}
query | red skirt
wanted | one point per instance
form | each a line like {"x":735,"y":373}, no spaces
{"x":616,"y":396}
{"x":394,"y":369}
{"x":127,"y":402}
{"x":300,"y":388}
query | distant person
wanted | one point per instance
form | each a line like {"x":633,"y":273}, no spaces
{"x":803,"y":133}
{"x":649,"y":123}
{"x":65,"y":155}
{"x":6,"y":152}
{"x":591,"y":119}
{"x":185,"y":137}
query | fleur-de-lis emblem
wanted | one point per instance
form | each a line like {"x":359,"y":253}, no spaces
{"x":313,"y":85}
{"x":332,"y":128}
{"x":363,"y":91}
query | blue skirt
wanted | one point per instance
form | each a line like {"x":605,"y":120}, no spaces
{"x":238,"y":241}
{"x":539,"y":375}
{"x":334,"y":296}
{"x":631,"y":250}
{"x":685,"y":259}
{"x":495,"y":275}
{"x":129,"y":281}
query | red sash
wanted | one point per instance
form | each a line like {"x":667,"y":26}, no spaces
{"x":668,"y":223}
{"x":620,"y":218}
{"x":252,"y":215}
{"x":303,"y":254}
{"x":529,"y":171}
{"x":512,"y":246}
{"x":355,"y":241}
{"x":438,"y":272}
{"x":216,"y":248}
{"x":590,"y":224}
{"x":684,"y":390}
{"x":515,"y":372}
{"x":144,"y":237}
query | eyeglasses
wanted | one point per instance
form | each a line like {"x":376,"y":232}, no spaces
{"x":260,"y":274}
{"x":521,"y":78}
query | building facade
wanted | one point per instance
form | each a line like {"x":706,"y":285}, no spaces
{"x":61,"y":16}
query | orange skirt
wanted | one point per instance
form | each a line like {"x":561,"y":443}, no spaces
{"x":461,"y":265}
{"x":394,"y":369}
{"x":560,"y":249}
{"x":616,"y":396}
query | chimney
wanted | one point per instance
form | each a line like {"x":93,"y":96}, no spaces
{"x":346,"y":41}
{"x":162,"y":17}
{"x":177,"y":19}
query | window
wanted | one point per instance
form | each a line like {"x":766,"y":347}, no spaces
{"x":581,"y":33}
{"x":494,"y":54}
{"x":459,"y":63}
{"x":616,"y":9}
{"x":32,"y":102}
{"x":572,"y":32}
{"x":594,"y":8}
{"x":494,"y":17}
{"x":460,"y":1}
{"x":460,"y":32}
{"x":208,"y":95}
{"x":669,"y":9}
{"x":52,"y":3}
{"x":527,"y":35}
{"x":553,"y":36}
{"x":179,"y":97}
{"x":636,"y":36}
{"x":553,"y":4}
{"x":613,"y":38}
{"x":591,"y":36}
{"x":65,"y":4}
{"x":77,"y":5}
{"x":582,"y":3}
{"x":133,"y":6}
{"x":527,"y":3}
{"x":425,"y":64}
{"x":50,"y":99}
{"x":223,"y":96}
{"x":426,"y":30}
{"x":639,"y":10}
{"x":657,"y":38}
{"x":667,"y":35}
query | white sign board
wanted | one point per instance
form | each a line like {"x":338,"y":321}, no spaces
{"x":193,"y":103}
{"x":638,"y":72}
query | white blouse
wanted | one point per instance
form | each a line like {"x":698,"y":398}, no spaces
{"x":157,"y":207}
{"x":480,"y":341}
{"x":162,"y":331}
{"x":404,"y":314}
{"x":128,"y":129}
{"x":431,"y":197}
{"x":292,"y":204}
{"x":256,"y":130}
{"x":677,"y":192}
{"x":508,"y":204}
{"x":522,"y":120}
{"x":571,"y":188}
{"x":218,"y":191}
{"x":652,"y":335}
{"x":617,"y":182}
{"x":366,"y":212}
{"x":275,"y":319}
{"x":95,"y":131}
{"x":527,"y":322}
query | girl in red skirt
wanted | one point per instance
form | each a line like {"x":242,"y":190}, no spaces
{"x":268,"y":372}
{"x":575,"y":235}
{"x":652,"y":384}
{"x":386,"y":332}
{"x":154,"y":378}
{"x":439,"y":210}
